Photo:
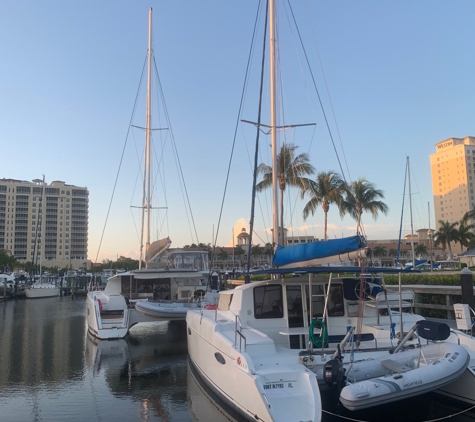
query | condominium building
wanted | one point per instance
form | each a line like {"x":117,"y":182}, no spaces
{"x":453,"y":177}
{"x":65,"y":217}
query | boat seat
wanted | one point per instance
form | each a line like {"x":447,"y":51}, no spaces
{"x":394,"y":366}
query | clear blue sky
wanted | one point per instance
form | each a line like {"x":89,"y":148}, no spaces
{"x":400,"y":77}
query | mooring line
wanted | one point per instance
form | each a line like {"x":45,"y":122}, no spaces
{"x":429,"y":420}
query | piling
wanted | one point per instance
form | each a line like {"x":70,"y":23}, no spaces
{"x":466,"y":282}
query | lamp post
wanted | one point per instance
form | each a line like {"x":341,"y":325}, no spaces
{"x":429,"y":234}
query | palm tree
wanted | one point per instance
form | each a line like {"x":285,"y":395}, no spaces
{"x":465,"y":233}
{"x":223,"y":255}
{"x":328,"y":188}
{"x":447,"y":233}
{"x":421,"y":250}
{"x":256,"y":250}
{"x":362,"y":195}
{"x":291,"y":169}
{"x":469,"y":215}
{"x":379,"y":251}
{"x":392,"y":253}
{"x":239,"y":251}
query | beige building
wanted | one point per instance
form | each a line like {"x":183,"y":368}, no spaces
{"x":66,"y":211}
{"x":453,"y":177}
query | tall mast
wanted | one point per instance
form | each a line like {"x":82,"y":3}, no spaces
{"x":148,"y":126}
{"x":275,"y":195}
{"x":148,"y":119}
{"x":42,"y":246}
{"x":410,"y":210}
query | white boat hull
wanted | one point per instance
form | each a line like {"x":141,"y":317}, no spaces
{"x":257,"y":382}
{"x":165,"y":311}
{"x":463,"y":389}
{"x":409,"y":373}
{"x":41,"y":291}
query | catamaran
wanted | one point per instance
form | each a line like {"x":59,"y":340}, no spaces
{"x":172,"y":281}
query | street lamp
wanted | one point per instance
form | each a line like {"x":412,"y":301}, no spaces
{"x":429,"y":234}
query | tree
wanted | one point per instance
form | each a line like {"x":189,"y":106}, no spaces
{"x":223,"y":255}
{"x":239,"y":251}
{"x":328,"y":188}
{"x":420,"y":250}
{"x":291,"y":169}
{"x":447,"y":233}
{"x":256,"y":250}
{"x":465,"y":233}
{"x":361,"y":196}
{"x":379,"y":251}
{"x":7,"y":262}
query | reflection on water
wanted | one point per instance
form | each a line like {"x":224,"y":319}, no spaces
{"x":51,"y":370}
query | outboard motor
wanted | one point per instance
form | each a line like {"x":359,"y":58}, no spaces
{"x":334,"y":374}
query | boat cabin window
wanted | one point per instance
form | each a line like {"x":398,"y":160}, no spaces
{"x":268,"y":301}
{"x":225,"y":302}
{"x":159,"y":288}
{"x":335,"y":300}
{"x":189,"y":260}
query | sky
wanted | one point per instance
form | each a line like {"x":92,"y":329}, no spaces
{"x":394,"y":79}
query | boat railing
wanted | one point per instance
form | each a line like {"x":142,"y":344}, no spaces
{"x":238,"y":333}
{"x":342,"y":344}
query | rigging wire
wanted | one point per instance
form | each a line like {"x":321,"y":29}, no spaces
{"x":259,"y":113}
{"x":316,"y":90}
{"x":235,"y":131}
{"x":120,"y":164}
{"x":181,"y":179}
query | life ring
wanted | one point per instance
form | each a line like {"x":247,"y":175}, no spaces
{"x":100,"y":304}
{"x":322,"y":339}
{"x":211,"y":306}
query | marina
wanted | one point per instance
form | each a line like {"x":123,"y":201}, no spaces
{"x":53,"y":371}
{"x":310,"y":333}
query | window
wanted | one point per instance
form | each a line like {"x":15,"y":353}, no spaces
{"x":268,"y":302}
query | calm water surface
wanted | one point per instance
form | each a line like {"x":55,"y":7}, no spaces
{"x":51,"y":370}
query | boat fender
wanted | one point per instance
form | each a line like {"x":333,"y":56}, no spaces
{"x":100,"y":304}
{"x":334,"y":374}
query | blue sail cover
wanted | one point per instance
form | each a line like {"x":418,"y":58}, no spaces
{"x":314,"y":250}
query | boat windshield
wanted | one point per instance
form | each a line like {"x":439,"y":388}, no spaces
{"x":197,"y":261}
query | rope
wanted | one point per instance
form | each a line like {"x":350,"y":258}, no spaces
{"x":428,"y":420}
{"x":322,"y":340}
{"x":393,"y":331}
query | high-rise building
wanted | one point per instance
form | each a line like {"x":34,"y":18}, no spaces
{"x":453,"y":177}
{"x":65,"y":216}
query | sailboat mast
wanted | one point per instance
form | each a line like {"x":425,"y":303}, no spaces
{"x":145,"y":220}
{"x":275,"y":220}
{"x":42,"y":246}
{"x":148,"y":126}
{"x":410,"y":210}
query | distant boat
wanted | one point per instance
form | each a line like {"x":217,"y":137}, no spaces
{"x":172,"y":281}
{"x":41,"y":288}
{"x":7,"y":284}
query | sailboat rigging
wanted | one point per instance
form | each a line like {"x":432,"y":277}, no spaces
{"x":41,"y":288}
{"x":172,"y":281}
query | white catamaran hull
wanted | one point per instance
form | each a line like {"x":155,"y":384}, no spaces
{"x":249,"y":374}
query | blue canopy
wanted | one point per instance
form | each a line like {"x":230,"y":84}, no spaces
{"x":314,"y":250}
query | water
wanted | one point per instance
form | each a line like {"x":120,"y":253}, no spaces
{"x":52,"y":370}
